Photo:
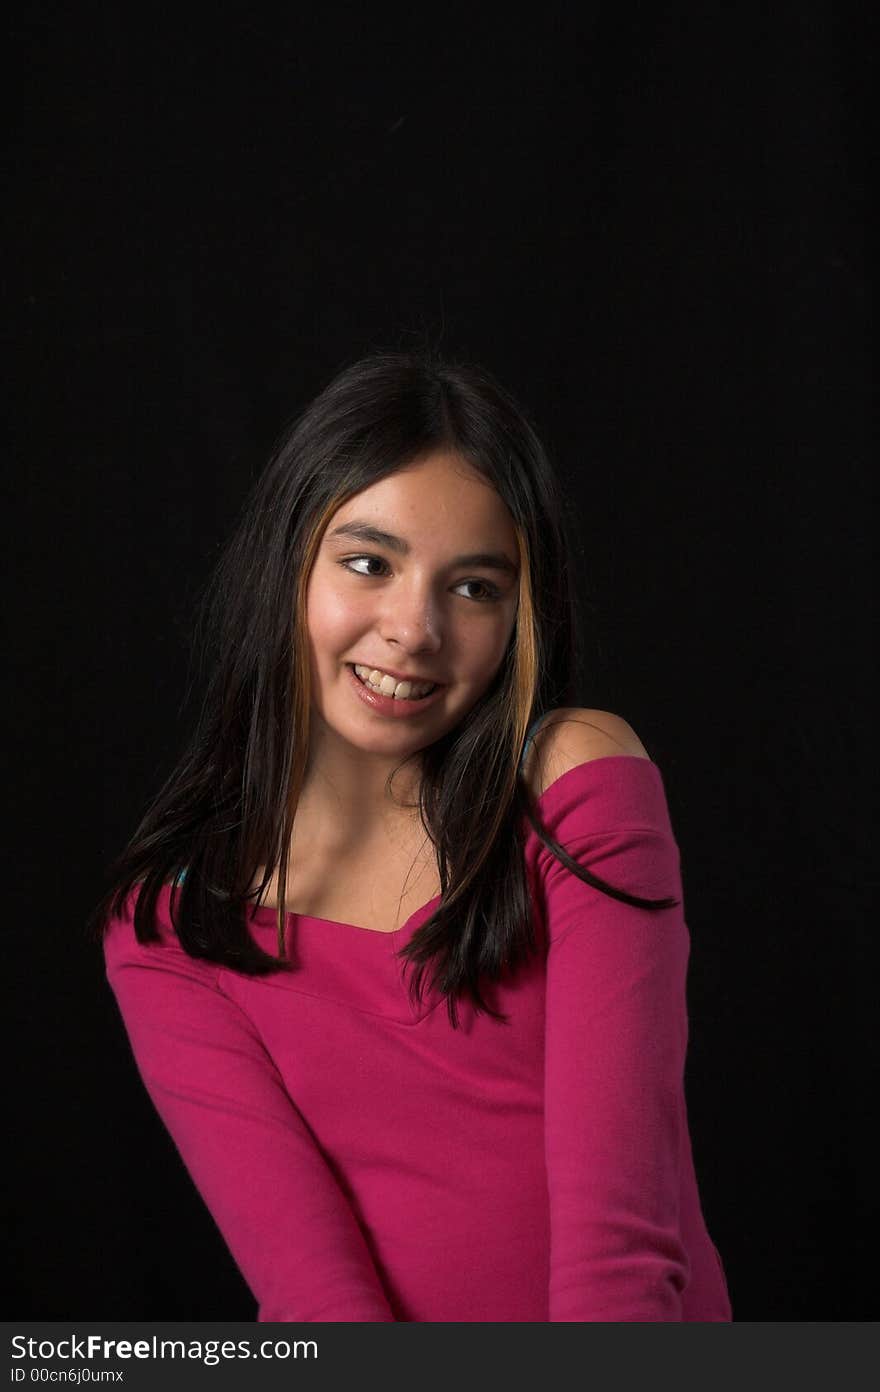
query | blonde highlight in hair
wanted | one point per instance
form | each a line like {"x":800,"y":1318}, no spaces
{"x":301,"y":702}
{"x":524,"y":686}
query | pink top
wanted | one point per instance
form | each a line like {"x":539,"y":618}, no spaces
{"x":366,"y":1162}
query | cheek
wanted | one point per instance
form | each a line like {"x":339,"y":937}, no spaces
{"x":483,"y":651}
{"x":332,"y":617}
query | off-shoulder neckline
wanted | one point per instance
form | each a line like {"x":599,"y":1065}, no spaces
{"x":265,"y":915}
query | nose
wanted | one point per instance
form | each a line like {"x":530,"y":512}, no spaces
{"x":411,"y":618}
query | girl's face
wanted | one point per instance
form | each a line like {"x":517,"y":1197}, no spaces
{"x":416,"y":577}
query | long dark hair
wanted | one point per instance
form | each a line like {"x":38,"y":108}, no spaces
{"x":228,"y":807}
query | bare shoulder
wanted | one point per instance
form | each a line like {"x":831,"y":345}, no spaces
{"x":573,"y":735}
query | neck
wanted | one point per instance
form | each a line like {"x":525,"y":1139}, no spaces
{"x":353,"y":784}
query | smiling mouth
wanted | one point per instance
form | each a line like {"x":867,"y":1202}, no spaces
{"x":400,"y":691}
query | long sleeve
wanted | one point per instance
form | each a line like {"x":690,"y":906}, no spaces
{"x":248,"y":1150}
{"x":616,"y":1039}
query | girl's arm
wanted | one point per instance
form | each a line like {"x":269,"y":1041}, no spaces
{"x":248,"y":1150}
{"x":616,"y":1038}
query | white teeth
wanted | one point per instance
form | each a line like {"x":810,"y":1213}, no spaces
{"x":390,"y":686}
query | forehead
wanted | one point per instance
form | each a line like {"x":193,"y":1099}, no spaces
{"x":435,"y":498}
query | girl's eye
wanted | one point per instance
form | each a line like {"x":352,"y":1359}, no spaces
{"x":351,"y":559}
{"x":491,"y":591}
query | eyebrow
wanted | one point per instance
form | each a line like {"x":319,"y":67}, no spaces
{"x":365,"y":531}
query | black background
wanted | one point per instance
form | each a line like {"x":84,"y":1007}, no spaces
{"x":650,"y":225}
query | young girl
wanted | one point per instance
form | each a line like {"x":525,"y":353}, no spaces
{"x":400,"y":946}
